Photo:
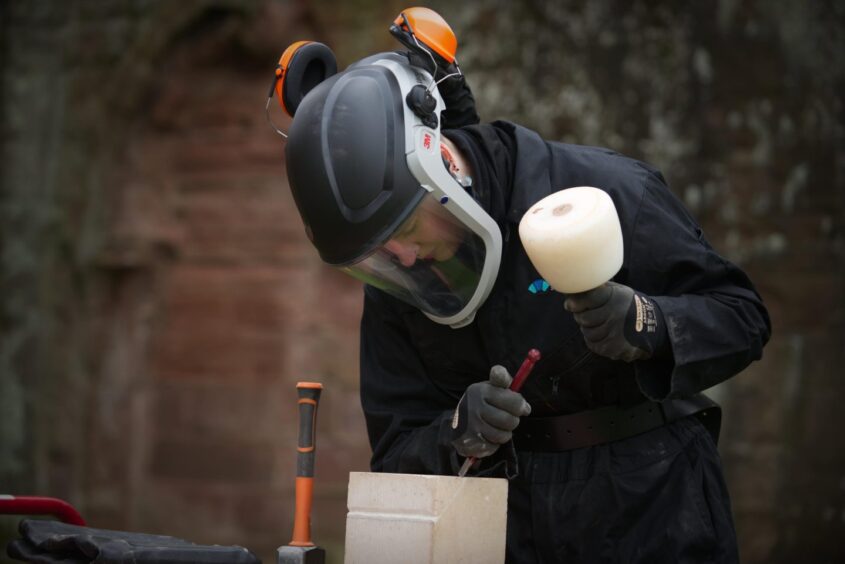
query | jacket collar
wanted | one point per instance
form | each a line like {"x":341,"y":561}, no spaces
{"x":510,"y":167}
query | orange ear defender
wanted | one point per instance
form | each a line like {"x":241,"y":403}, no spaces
{"x":416,"y":26}
{"x":303,"y":65}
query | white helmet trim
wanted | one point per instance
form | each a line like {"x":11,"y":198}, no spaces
{"x":422,"y":147}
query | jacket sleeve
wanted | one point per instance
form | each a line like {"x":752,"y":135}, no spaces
{"x":715,"y":319}
{"x":408,"y":418}
{"x":460,"y":103}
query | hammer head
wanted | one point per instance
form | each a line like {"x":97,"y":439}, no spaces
{"x":300,"y":555}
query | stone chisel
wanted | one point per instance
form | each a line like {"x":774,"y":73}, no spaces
{"x":301,"y":550}
{"x":521,"y":375}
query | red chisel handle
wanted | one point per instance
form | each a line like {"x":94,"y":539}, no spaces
{"x":527,"y":365}
{"x":521,"y":376}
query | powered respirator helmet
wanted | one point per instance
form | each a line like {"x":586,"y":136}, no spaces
{"x":365,"y":168}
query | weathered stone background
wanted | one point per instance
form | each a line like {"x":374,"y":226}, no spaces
{"x":159,"y":300}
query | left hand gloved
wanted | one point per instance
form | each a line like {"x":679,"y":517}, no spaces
{"x":487,"y":414}
{"x":619,"y":323}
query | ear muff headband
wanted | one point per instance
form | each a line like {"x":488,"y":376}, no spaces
{"x":303,"y":65}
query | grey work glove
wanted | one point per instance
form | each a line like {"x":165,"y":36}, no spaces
{"x":487,"y":415}
{"x":619,"y":323}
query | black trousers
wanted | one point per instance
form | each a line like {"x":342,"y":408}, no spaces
{"x":656,"y":497}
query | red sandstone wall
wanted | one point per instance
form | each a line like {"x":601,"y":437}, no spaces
{"x":245,"y":309}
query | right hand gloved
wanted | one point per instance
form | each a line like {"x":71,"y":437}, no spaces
{"x":487,"y":415}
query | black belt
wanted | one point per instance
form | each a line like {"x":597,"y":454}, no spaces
{"x":612,"y":423}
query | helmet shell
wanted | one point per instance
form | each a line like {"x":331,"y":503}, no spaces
{"x":346,"y":163}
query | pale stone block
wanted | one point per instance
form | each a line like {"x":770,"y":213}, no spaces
{"x":415,"y":519}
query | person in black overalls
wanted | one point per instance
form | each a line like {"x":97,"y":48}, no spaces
{"x":610,"y":448}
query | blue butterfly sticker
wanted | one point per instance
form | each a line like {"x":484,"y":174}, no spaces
{"x":539,"y":286}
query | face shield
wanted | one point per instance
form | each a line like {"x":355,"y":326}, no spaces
{"x":432,"y":261}
{"x":369,"y":181}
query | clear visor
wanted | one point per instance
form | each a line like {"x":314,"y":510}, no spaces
{"x":432,"y":261}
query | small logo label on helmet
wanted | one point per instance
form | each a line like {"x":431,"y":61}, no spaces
{"x":427,"y":141}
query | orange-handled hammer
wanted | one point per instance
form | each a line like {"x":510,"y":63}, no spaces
{"x":301,"y":550}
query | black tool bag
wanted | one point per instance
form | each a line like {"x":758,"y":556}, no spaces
{"x":52,"y":542}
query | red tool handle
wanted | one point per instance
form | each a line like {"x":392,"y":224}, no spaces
{"x":516,"y":384}
{"x":527,"y":365}
{"x":30,"y":505}
{"x":309,"y":397}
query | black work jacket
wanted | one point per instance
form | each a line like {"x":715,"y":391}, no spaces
{"x":414,"y":371}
